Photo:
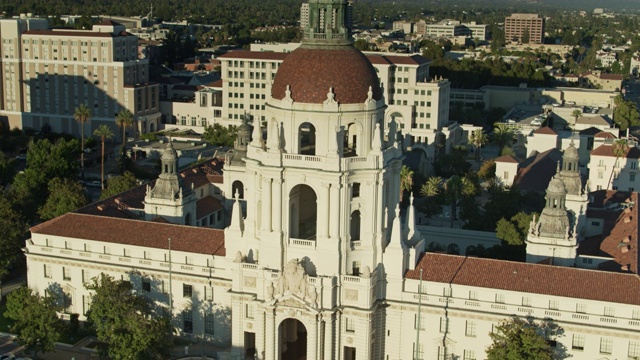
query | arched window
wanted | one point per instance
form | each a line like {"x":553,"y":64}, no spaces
{"x":187,"y":219}
{"x":238,"y":187}
{"x":307,"y":139}
{"x":355,"y":226}
{"x":303,"y":216}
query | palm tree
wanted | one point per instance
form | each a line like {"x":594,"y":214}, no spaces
{"x":576,"y":114}
{"x":104,"y":132}
{"x":406,"y":180}
{"x":619,"y":148}
{"x":432,"y":187}
{"x":124,"y":119}
{"x":478,"y":138}
{"x":502,"y":135}
{"x":82,"y":115}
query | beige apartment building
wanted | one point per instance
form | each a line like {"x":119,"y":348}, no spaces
{"x":48,"y":73}
{"x":515,"y":25}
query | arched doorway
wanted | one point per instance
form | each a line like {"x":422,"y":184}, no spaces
{"x":307,"y":139}
{"x":292,"y":337}
{"x":303,"y":215}
{"x":351,"y":140}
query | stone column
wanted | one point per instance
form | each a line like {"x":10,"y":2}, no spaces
{"x":270,"y":336}
{"x":277,"y":208}
{"x":334,"y":216}
{"x":312,"y":343}
{"x":323,"y":224}
{"x":267,"y":206}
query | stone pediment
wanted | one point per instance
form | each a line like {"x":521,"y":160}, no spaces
{"x":292,"y":288}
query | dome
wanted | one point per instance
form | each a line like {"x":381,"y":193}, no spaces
{"x":556,"y":186}
{"x":571,"y":152}
{"x":169,"y":153}
{"x":310,"y":73}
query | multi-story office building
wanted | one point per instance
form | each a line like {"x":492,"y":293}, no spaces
{"x":48,"y":73}
{"x":453,"y":28}
{"x":517,"y":25}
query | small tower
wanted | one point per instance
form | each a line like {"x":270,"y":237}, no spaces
{"x":553,"y":237}
{"x":243,"y":138}
{"x":168,"y":199}
{"x":577,"y":198}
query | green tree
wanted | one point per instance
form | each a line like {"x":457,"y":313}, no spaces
{"x":103,"y":132}
{"x":126,"y":322}
{"x":65,"y":195}
{"x":362,"y":45}
{"x":453,"y":190}
{"x":406,"y":180}
{"x":219,"y":135}
{"x":526,"y":34}
{"x":576,"y":113}
{"x":13,"y":231}
{"x":35,"y":320}
{"x":524,"y":339}
{"x":82,"y":115}
{"x":478,"y":138}
{"x":514,"y":231}
{"x":119,"y":184}
{"x":502,"y":135}
{"x":124,"y":119}
{"x":625,"y":113}
{"x":619,"y":148}
{"x":7,"y":169}
{"x":45,"y":161}
{"x":487,"y":170}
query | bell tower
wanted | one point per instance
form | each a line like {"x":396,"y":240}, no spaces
{"x":168,"y":198}
{"x":553,"y":238}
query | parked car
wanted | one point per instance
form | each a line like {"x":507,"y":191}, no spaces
{"x":94,"y":183}
{"x":21,"y":157}
{"x":536,"y":122}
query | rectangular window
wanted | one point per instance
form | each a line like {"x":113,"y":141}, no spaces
{"x":355,"y":190}
{"x":470,"y":329}
{"x":47,"y":271}
{"x":632,"y":176}
{"x":553,"y":304}
{"x":609,"y":311}
{"x":606,"y":345}
{"x":187,"y":290}
{"x":442,"y":353}
{"x":248,"y":311}
{"x":635,"y":315}
{"x":526,"y":301}
{"x":446,"y":292}
{"x":208,"y":324}
{"x":85,"y":276}
{"x":473,"y":295}
{"x":469,"y":355}
{"x":500,"y":298}
{"x":444,"y":323}
{"x":634,"y":350}
{"x":349,"y":325}
{"x":420,"y":320}
{"x":187,"y":321}
{"x":578,"y":342}
{"x":66,"y":274}
{"x":581,"y":308}
{"x":418,"y":354}
{"x":146,"y":285}
{"x":208,"y":293}
{"x":86,"y":303}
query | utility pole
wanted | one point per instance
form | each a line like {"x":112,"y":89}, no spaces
{"x":416,"y":357}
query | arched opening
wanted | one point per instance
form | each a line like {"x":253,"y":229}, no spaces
{"x":187,"y":219}
{"x":355,"y":225}
{"x":350,"y":140}
{"x":453,"y":249}
{"x":152,"y":127}
{"x":307,"y":139}
{"x":238,"y":187}
{"x":303,"y":217}
{"x":435,"y":246}
{"x":292,"y":337}
{"x":397,"y":119}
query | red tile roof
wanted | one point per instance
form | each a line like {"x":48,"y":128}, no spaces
{"x":545,"y":131}
{"x":151,"y":234}
{"x":206,"y":206}
{"x":378,"y":59}
{"x":529,"y":278}
{"x":311,"y":72}
{"x":607,"y":150}
{"x":536,"y":171}
{"x":216,"y":84}
{"x":605,"y":135}
{"x":507,"y":159}
{"x":407,"y":60}
{"x":619,"y":238}
{"x":82,"y":33}
{"x":259,"y":55}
